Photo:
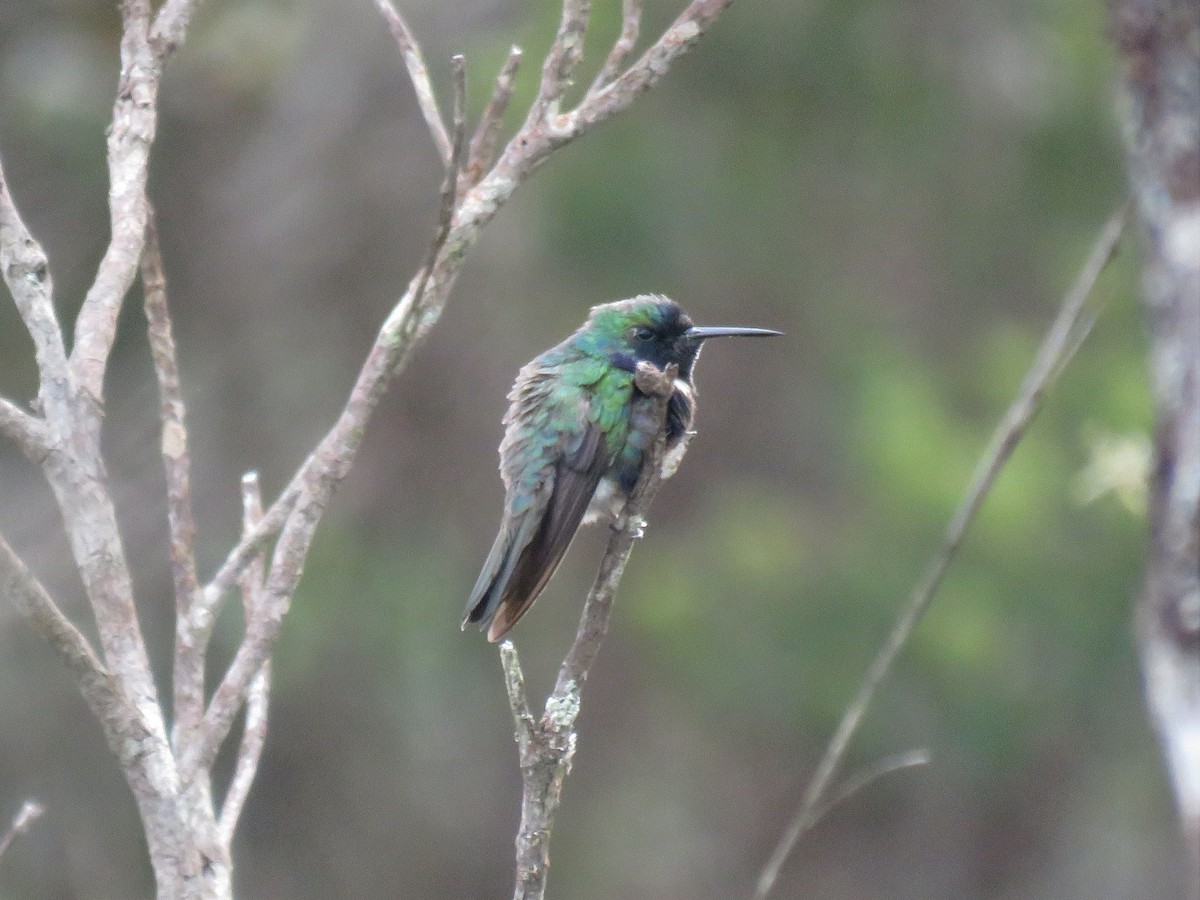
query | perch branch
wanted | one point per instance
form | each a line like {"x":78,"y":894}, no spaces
{"x":29,"y":813}
{"x":1061,"y":339}
{"x":415,"y":63}
{"x":181,"y":526}
{"x":547,"y":747}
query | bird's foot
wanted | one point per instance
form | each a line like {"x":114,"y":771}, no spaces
{"x":653,"y":381}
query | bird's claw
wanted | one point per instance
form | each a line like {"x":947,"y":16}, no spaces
{"x":653,"y":381}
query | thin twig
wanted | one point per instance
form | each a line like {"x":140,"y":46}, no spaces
{"x":130,"y":138}
{"x":29,"y":813}
{"x":483,"y":144}
{"x":415,"y":63}
{"x":808,"y":817}
{"x":689,"y":26}
{"x":622,"y":48}
{"x":314,"y":484}
{"x":26,"y":430}
{"x":170,"y":26}
{"x":254,"y":732}
{"x":1062,"y":339}
{"x":561,"y":61}
{"x":514,"y":685}
{"x":26,"y":271}
{"x":181,"y":525}
{"x":32,"y":599}
{"x":547,"y":746}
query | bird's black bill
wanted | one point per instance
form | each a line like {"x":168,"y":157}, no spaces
{"x":698,"y":334}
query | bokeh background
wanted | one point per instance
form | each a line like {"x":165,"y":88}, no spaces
{"x":906,"y":189}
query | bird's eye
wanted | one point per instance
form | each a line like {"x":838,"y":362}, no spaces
{"x":643,"y":333}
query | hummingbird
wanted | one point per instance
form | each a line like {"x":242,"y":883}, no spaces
{"x":576,"y":436}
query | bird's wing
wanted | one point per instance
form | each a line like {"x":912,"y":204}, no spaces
{"x":533,"y":561}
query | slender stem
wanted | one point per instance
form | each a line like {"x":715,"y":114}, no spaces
{"x":181,"y":526}
{"x":622,"y":48}
{"x":29,"y":813}
{"x":1062,"y":338}
{"x":415,"y":63}
{"x":254,"y":732}
{"x":483,"y":144}
{"x":547,"y":747}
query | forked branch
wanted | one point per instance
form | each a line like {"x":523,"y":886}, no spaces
{"x":1063,"y":338}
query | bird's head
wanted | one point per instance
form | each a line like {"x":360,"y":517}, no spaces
{"x":652,"y":328}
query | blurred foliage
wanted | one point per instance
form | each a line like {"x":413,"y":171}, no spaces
{"x":906,"y":189}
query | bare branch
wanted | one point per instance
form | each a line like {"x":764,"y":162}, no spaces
{"x":1062,"y":338}
{"x":170,"y":26}
{"x":254,"y":732}
{"x":514,"y":685}
{"x":561,"y":60}
{"x":189,"y":664}
{"x":807,"y":818}
{"x":415,"y":63}
{"x":689,"y":26}
{"x":631,"y":20}
{"x":29,"y":813}
{"x":25,"y":430}
{"x":328,"y":464}
{"x":547,"y":747}
{"x":305,"y":497}
{"x":483,"y":144}
{"x":27,"y":274}
{"x":36,"y":604}
{"x":129,"y":140}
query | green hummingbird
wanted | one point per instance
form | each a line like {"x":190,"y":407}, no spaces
{"x":576,"y":434}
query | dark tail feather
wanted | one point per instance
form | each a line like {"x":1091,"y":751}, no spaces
{"x":485,"y":596}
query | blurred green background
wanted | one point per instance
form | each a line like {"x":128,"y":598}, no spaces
{"x":906,"y":189}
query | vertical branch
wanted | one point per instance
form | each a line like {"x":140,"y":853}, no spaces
{"x":1158,"y":42}
{"x":562,"y":60}
{"x":189,"y":664}
{"x":130,"y":137}
{"x":1064,"y":336}
{"x":254,"y":734}
{"x":546,"y":747}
